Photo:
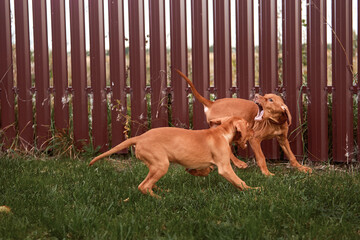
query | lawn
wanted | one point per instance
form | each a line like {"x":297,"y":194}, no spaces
{"x":64,"y":198}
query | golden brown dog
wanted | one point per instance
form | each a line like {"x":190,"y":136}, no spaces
{"x":268,"y":115}
{"x":194,"y":149}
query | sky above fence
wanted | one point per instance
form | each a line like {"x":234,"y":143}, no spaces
{"x":188,"y":2}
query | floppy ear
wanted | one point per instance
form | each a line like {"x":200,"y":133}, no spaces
{"x":218,"y":121}
{"x":242,"y":126}
{"x":287,"y":113}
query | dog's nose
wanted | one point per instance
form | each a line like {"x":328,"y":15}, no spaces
{"x":256,"y":97}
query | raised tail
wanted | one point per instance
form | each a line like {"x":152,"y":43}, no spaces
{"x":125,"y":144}
{"x":204,"y":101}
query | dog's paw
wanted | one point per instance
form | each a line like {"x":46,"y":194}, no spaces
{"x":305,"y":169}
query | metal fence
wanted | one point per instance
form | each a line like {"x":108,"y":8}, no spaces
{"x":149,"y":91}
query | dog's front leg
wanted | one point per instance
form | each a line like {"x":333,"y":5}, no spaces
{"x":228,"y":173}
{"x":284,"y":144}
{"x":255,"y":144}
{"x":237,"y":162}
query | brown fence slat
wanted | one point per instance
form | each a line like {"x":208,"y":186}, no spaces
{"x":98,"y":76}
{"x":268,"y":69}
{"x":245,"y":53}
{"x":358,"y":85}
{"x":6,"y":76}
{"x":292,"y":73}
{"x":158,"y":65}
{"x":222,"y":48}
{"x":59,"y":52}
{"x":342,"y":81}
{"x":245,"y":48}
{"x":78,"y":73}
{"x":26,"y":132}
{"x":117,"y":71}
{"x":200,"y":58}
{"x":180,"y":113}
{"x":317,"y":117}
{"x":41,"y":58}
{"x":137,"y":67}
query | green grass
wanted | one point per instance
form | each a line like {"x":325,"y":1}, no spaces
{"x":64,"y":198}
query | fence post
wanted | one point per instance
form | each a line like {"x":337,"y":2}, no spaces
{"x":6,"y":76}
{"x":222,"y":48}
{"x":268,"y":56}
{"x":41,"y":73}
{"x":26,"y":132}
{"x":158,"y":65}
{"x":342,"y":82}
{"x":200,"y":58}
{"x":98,"y":78}
{"x":180,"y":113}
{"x":117,"y":71}
{"x":78,"y":72}
{"x":292,"y":74}
{"x":317,"y":81}
{"x":137,"y":67}
{"x":245,"y":53}
{"x":59,"y":52}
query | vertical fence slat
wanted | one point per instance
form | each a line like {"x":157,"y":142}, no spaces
{"x":292,"y":65}
{"x":59,"y":52}
{"x":358,"y":85}
{"x":26,"y":132}
{"x":158,"y":73}
{"x":41,"y":58}
{"x":222,"y":48}
{"x":317,"y":81}
{"x":342,"y":81}
{"x":245,"y":48}
{"x":6,"y":76}
{"x":117,"y":71}
{"x":268,"y":69}
{"x":180,"y":113}
{"x":200,"y":58}
{"x":78,"y":73}
{"x":98,"y":76}
{"x":245,"y":53}
{"x":137,"y":67}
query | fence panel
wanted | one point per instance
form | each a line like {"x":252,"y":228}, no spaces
{"x":25,"y":116}
{"x":317,"y":81}
{"x":268,"y":69}
{"x":245,"y":69}
{"x":98,"y":76}
{"x":180,"y":112}
{"x":342,"y":81}
{"x":137,"y":67}
{"x":41,"y":58}
{"x":78,"y":73}
{"x":200,"y":58}
{"x":292,"y":74}
{"x":222,"y":48}
{"x":158,"y":65}
{"x":59,"y":52}
{"x":117,"y":71}
{"x":6,"y":76}
{"x":245,"y":48}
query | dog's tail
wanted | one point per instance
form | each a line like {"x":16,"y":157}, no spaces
{"x":125,"y":144}
{"x":204,"y":101}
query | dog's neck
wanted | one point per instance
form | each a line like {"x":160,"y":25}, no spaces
{"x":228,"y":131}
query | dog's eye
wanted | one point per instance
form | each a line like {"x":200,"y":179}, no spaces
{"x":270,"y":100}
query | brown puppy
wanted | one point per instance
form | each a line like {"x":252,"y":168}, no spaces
{"x":268,"y":115}
{"x":194,"y":149}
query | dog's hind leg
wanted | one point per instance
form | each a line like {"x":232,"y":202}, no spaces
{"x":156,"y":171}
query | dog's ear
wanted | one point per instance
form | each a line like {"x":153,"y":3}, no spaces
{"x":218,"y":121}
{"x":287,"y":113}
{"x":246,"y":132}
